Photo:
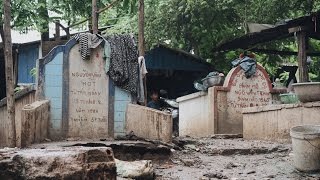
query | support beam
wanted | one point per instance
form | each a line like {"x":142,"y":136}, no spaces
{"x":94,"y":17}
{"x":302,"y":56}
{"x":282,"y":53}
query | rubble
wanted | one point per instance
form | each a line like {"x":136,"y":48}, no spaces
{"x":135,"y":170}
{"x":66,"y":163}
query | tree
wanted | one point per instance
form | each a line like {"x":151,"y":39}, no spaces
{"x":9,"y":69}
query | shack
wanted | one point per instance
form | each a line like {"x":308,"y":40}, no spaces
{"x":174,"y":70}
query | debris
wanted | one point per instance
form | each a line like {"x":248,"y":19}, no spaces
{"x":47,"y":140}
{"x":227,"y":136}
{"x":135,"y":170}
{"x":66,"y":163}
{"x":232,"y":165}
{"x":191,"y":147}
{"x":188,"y":162}
{"x":251,"y":172}
{"x":215,"y":175}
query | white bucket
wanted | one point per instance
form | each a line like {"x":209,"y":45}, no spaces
{"x":306,"y":147}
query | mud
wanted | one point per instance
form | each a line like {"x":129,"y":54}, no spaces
{"x":221,"y":158}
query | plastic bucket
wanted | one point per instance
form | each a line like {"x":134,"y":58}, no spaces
{"x":306,"y":147}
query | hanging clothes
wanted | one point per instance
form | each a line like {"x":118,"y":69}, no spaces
{"x":249,"y":65}
{"x":107,"y":55}
{"x":124,"y":67}
{"x":87,"y":42}
{"x":142,"y":74}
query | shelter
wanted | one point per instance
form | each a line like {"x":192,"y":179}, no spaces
{"x":174,"y":70}
{"x":304,"y":28}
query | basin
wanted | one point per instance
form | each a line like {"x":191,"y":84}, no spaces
{"x":289,"y":98}
{"x":307,"y":92}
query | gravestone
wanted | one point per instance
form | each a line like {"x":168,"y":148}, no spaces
{"x":242,"y":92}
{"x":88,"y":95}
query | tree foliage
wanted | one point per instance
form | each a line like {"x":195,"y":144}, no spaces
{"x":192,"y":25}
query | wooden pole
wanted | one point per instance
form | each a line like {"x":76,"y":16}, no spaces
{"x":302,"y":56}
{"x":141,"y":28}
{"x":141,"y":45}
{"x":94,"y":17}
{"x":9,"y":70}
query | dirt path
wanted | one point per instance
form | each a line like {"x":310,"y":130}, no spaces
{"x":231,"y":159}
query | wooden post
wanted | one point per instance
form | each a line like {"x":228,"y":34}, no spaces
{"x":9,"y":69}
{"x":141,"y":45}
{"x":302,"y":56}
{"x":57,"y":28}
{"x":94,"y":17}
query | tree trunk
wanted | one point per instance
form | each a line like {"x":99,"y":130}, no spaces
{"x":141,"y":28}
{"x":94,"y":17}
{"x":141,"y":42}
{"x":302,"y":57}
{"x":9,"y":70}
{"x":43,"y":13}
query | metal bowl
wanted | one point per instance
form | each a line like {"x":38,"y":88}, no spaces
{"x":307,"y":92}
{"x":213,"y":81}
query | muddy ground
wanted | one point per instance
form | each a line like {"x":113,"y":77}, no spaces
{"x":213,"y":158}
{"x":217,"y":157}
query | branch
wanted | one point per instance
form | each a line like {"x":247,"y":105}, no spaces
{"x":100,"y":11}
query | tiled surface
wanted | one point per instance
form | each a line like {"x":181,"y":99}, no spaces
{"x":122,"y":99}
{"x":53,"y":91}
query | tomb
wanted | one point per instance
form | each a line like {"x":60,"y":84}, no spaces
{"x":219,"y":111}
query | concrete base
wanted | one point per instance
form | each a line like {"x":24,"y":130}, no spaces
{"x":195,"y":115}
{"x":149,"y":123}
{"x":58,"y":163}
{"x":274,"y":122}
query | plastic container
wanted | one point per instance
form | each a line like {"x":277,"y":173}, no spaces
{"x":289,"y":98}
{"x":306,"y":147}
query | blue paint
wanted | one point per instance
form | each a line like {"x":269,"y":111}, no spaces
{"x":121,"y":100}
{"x":53,"y":91}
{"x":53,"y":81}
{"x":164,"y":58}
{"x":119,"y":128}
{"x":53,"y":69}
{"x":56,"y":102}
{"x":27,"y":58}
{"x":56,"y":114}
{"x":56,"y":125}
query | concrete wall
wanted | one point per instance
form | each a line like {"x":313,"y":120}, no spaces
{"x":149,"y":123}
{"x":34,"y":123}
{"x":78,"y":91}
{"x":195,"y":115}
{"x":274,"y":122}
{"x":27,"y":96}
{"x":219,"y":111}
{"x":88,"y":95}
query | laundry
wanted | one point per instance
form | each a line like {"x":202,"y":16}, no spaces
{"x":249,"y":65}
{"x":124,"y":67}
{"x":87,"y":42}
{"x":143,"y":71}
{"x":106,"y":55}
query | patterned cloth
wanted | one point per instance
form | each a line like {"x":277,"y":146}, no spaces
{"x":124,"y":67}
{"x":87,"y":42}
